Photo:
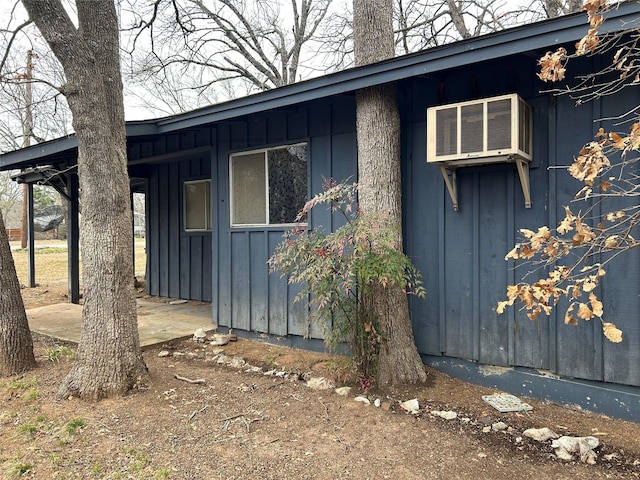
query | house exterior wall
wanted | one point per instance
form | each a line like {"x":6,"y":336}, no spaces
{"x":461,"y":253}
{"x":228,"y":266}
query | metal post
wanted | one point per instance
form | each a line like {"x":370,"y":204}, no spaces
{"x":73,"y":238}
{"x":31,"y":237}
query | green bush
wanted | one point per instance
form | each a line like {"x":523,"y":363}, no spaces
{"x":338,"y":270}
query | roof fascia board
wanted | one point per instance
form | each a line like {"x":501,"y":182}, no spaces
{"x":26,"y":155}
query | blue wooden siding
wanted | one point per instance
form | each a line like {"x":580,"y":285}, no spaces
{"x":229,"y":265}
{"x":248,"y":297}
{"x":460,"y":254}
{"x":179,"y":263}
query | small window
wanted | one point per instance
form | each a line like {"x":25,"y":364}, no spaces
{"x":197,"y":198}
{"x":268,"y":187}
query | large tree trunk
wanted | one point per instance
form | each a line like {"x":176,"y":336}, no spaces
{"x":16,"y":346}
{"x":378,"y":130}
{"x":109,"y":360}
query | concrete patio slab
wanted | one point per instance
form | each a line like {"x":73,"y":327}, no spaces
{"x":158,"y":322}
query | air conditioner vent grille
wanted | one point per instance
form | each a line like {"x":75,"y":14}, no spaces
{"x":492,"y":129}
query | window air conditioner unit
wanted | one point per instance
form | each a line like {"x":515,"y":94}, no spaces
{"x":480,"y":131}
{"x":490,"y":130}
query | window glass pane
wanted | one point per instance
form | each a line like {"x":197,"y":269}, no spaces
{"x":248,"y":189}
{"x":196,"y":205}
{"x":287,"y":183}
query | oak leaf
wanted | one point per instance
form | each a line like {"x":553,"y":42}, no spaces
{"x":568,"y":318}
{"x":611,"y":332}
{"x":501,"y":307}
{"x":584,"y":312}
{"x":596,"y":305}
{"x":553,"y":65}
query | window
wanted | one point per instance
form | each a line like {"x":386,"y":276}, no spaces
{"x":268,"y":187}
{"x":196,"y":201}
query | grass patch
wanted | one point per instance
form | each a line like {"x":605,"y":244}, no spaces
{"x":73,"y":425}
{"x":52,"y":263}
{"x":37,"y":425}
{"x":32,"y":395}
{"x":29,"y":428}
{"x":22,"y":384}
{"x":271,"y":356}
{"x":55,"y":354}
{"x":18,"y":468}
{"x":137,"y":458}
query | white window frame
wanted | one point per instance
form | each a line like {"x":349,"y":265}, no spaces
{"x":207,"y":205}
{"x":264,"y":151}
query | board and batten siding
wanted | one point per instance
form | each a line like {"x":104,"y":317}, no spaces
{"x":179,"y":263}
{"x":228,"y":266}
{"x":247,"y":297}
{"x":461,"y":254}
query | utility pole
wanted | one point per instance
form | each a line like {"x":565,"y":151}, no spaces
{"x":27,"y":131}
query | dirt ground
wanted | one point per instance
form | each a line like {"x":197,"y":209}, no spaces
{"x":236,"y":422}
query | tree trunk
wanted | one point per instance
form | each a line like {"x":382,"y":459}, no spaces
{"x":108,"y":360}
{"x":378,"y":131}
{"x":16,"y":346}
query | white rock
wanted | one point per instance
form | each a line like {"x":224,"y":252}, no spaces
{"x":364,"y":400}
{"x":446,"y":414}
{"x":319,"y":383}
{"x":411,"y":406}
{"x":566,"y":447}
{"x":219,"y":339}
{"x":222,"y":359}
{"x":377,"y":402}
{"x":199,"y":335}
{"x":164,"y":353}
{"x":238,"y":362}
{"x":343,"y":391}
{"x":499,"y":426}
{"x":540,"y":434}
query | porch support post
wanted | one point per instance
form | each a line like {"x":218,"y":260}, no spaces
{"x":133,"y":238}
{"x":31,"y":244}
{"x":73,"y":238}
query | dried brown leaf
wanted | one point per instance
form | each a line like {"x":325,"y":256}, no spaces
{"x":584,"y":312}
{"x":596,"y":305}
{"x":611,"y":332}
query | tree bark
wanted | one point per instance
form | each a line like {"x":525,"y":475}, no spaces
{"x":108,"y":360}
{"x":378,"y":133}
{"x":16,"y":345}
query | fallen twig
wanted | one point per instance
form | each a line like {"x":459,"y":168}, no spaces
{"x":226,"y":419}
{"x":326,"y":409}
{"x":196,"y":412}
{"x":274,"y":385}
{"x":188,"y":380}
